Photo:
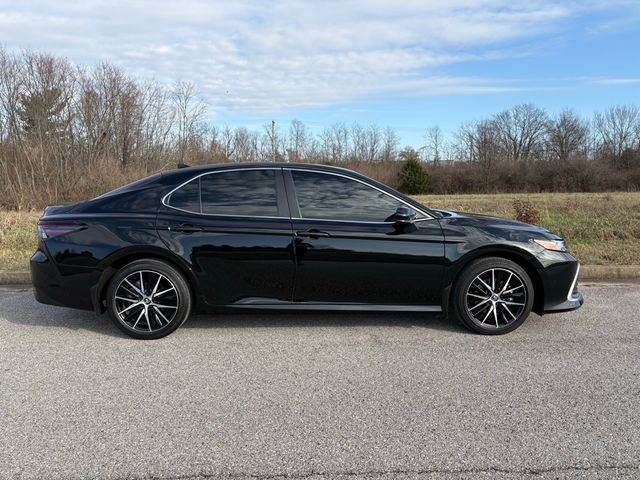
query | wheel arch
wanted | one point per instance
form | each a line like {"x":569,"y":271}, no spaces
{"x":516,"y":255}
{"x":123,"y":257}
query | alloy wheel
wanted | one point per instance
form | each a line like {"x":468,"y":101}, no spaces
{"x":146,"y":301}
{"x":496,"y":298}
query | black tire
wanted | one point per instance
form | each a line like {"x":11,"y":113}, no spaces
{"x":156,"y":310}
{"x":472,"y":298}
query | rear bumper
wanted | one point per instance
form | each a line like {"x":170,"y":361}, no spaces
{"x":67,"y":287}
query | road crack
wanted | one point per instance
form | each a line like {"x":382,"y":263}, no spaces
{"x":382,"y":473}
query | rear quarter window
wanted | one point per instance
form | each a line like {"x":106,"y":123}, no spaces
{"x":187,"y":197}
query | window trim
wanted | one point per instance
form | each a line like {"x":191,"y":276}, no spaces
{"x":426,"y":215}
{"x":285,"y":191}
{"x":166,"y":196}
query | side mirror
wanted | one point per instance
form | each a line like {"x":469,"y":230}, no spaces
{"x":405,"y":215}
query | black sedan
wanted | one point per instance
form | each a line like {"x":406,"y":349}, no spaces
{"x":285,"y":236}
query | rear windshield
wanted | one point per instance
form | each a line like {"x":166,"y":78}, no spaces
{"x":131,"y":186}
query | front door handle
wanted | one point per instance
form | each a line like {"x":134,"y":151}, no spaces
{"x":312,"y":233}
{"x":185,"y":228}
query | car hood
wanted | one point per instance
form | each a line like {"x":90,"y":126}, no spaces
{"x":493,"y":224}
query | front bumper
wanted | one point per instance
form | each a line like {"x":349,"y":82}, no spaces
{"x":573,"y":303}
{"x":557,"y":297}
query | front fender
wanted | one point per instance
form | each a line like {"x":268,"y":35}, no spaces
{"x":458,"y":261}
{"x":458,"y":258}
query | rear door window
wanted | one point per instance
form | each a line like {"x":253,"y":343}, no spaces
{"x":239,"y":192}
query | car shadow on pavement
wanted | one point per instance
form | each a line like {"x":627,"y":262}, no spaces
{"x":19,"y":307}
{"x":290,"y":319}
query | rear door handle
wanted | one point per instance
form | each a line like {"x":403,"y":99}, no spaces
{"x":185,"y":228}
{"x":312,"y":233}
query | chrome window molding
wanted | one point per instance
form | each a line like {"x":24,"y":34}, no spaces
{"x":164,"y":198}
{"x":351,"y":221}
{"x":426,"y":216}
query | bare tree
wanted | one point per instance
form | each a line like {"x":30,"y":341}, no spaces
{"x":334,"y":141}
{"x":358,"y":145}
{"x":299,"y":138}
{"x":521,"y":131}
{"x":227,"y":144}
{"x":390,"y":143}
{"x":189,"y":111}
{"x":273,"y":143}
{"x":567,"y":135}
{"x":153,"y":123}
{"x":434,"y":138}
{"x":326,"y":145}
{"x":11,"y":88}
{"x":487,"y":148}
{"x":479,"y":142}
{"x":462,"y":143}
{"x":109,"y":113}
{"x":374,"y":143}
{"x":617,"y":131}
{"x":245,"y":145}
{"x":340,"y":139}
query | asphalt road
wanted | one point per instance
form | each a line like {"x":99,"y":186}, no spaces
{"x":319,"y":396}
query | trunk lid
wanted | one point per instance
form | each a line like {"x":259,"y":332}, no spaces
{"x":58,"y":209}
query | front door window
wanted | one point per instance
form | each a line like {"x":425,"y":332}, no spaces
{"x":324,"y":196}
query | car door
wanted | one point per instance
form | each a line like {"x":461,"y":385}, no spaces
{"x":232,"y":226}
{"x":349,"y":249}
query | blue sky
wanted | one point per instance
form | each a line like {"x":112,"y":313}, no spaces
{"x":408,"y":64}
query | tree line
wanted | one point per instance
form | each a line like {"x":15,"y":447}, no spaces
{"x":68,"y":132}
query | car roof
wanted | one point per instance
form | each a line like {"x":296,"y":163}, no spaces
{"x":226,"y":166}
{"x":185,"y":172}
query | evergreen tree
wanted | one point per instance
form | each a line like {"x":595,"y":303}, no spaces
{"x":39,"y":112}
{"x":414,"y":179}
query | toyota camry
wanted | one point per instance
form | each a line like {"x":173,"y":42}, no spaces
{"x":287,"y":236}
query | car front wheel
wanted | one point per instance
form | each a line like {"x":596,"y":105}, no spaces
{"x":148,"y":299}
{"x":492,"y":296}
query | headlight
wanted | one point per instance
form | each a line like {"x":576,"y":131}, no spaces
{"x":555,"y":245}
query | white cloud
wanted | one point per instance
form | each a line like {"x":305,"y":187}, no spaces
{"x":262,"y":56}
{"x":616,"y":81}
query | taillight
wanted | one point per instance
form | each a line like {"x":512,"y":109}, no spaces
{"x":54,"y":228}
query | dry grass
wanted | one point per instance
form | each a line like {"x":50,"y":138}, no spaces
{"x":18,"y":239}
{"x":601,"y":228}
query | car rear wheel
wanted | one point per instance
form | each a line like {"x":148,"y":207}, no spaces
{"x":148,"y":299}
{"x":492,"y":296}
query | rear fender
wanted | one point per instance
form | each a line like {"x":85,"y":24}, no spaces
{"x":114,"y":262}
